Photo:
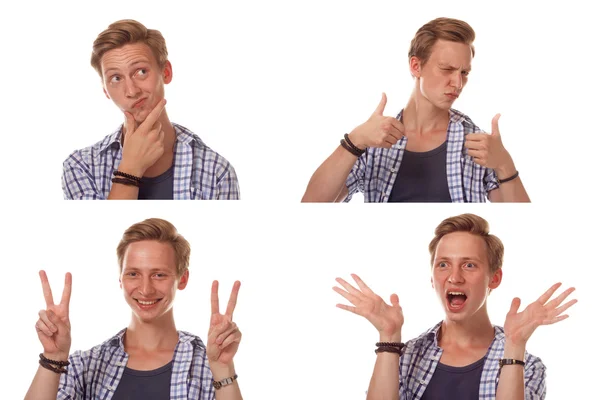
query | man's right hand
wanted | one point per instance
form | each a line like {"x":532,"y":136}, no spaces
{"x":143,"y":145}
{"x":53,"y":326}
{"x":378,"y":131}
{"x":388,"y":320}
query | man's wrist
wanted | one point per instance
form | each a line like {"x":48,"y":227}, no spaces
{"x":396,"y":337}
{"x":221,"y":371}
{"x":506,"y":170}
{"x":56,"y":356}
{"x":514,"y":350}
{"x":356,"y":140}
{"x":131,"y":170}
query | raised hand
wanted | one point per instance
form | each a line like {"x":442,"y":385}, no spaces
{"x":519,"y":326}
{"x":378,"y":131}
{"x":223,"y":335}
{"x":143,"y":145}
{"x":388,"y":320}
{"x":53,"y":326}
{"x":488,"y":151}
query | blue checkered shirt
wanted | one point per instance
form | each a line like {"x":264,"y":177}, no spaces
{"x":199,"y":172}
{"x":95,"y":374}
{"x":374,"y":173}
{"x":421,"y":357}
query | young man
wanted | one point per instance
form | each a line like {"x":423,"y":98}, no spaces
{"x":148,"y":157}
{"x":464,"y":356}
{"x":149,"y":359}
{"x":429,"y":152}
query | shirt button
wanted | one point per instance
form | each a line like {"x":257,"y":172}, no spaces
{"x":393,"y":170}
{"x":422,"y":382}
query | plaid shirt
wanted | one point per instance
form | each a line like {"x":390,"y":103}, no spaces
{"x":199,"y":173}
{"x":95,"y":374}
{"x":421,"y":356}
{"x":374,"y":173}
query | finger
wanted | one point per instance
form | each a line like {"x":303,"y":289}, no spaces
{"x":352,"y":299}
{"x":474,"y":137}
{"x":389,"y":141}
{"x":233,"y":298}
{"x":474,"y":144}
{"x":557,"y":319}
{"x":514,"y":305}
{"x":480,"y":154}
{"x":349,"y":288}
{"x":398,"y":126}
{"x":347,"y":308}
{"x":544,"y":298}
{"x":559,"y":299}
{"x":154,"y":115}
{"x":130,"y":124}
{"x":565,"y":307}
{"x":46,"y":289}
{"x":221,"y":338}
{"x":220,"y":328}
{"x":45,"y":318}
{"x":214,"y":298}
{"x":395,"y":300}
{"x":235,"y":337}
{"x":381,"y":105}
{"x":66,"y":295}
{"x":495,"y":127}
{"x":363,"y":286}
{"x":41,"y":327}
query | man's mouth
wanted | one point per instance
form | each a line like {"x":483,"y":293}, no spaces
{"x":139,"y":103}
{"x":456,"y":299}
{"x":147,"y":303}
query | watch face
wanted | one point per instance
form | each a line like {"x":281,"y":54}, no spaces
{"x":217,"y":385}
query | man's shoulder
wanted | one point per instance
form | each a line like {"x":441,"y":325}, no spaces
{"x":425,"y":339}
{"x":463,"y":119}
{"x":193,"y":340}
{"x":98,"y":351}
{"x":88,"y":154}
{"x":202,"y":153}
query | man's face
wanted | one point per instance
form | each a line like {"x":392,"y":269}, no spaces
{"x":133,"y":80}
{"x":461,"y":275}
{"x":149,"y":279}
{"x":445,"y":74}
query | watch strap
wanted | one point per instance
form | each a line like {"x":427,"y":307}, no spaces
{"x":224,"y":382}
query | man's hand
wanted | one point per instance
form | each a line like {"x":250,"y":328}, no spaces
{"x":488,"y":151}
{"x":519,"y":326}
{"x":223,"y":335}
{"x":378,"y":131}
{"x":388,"y":320}
{"x":53,"y":326}
{"x":143,"y":145}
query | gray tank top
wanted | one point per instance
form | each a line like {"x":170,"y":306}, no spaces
{"x":157,"y":188}
{"x":422,"y":177}
{"x":145,"y":385}
{"x":455,"y":383}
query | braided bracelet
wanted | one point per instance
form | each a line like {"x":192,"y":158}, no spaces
{"x":59,"y":363}
{"x":126,"y":181}
{"x":58,"y":370}
{"x":347,"y":139}
{"x":128,"y":176}
{"x":350,"y":149}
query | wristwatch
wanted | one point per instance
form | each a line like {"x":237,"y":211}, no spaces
{"x":510,"y":361}
{"x":224,"y":382}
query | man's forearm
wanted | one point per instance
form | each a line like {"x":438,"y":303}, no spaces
{"x":512,"y":191}
{"x":44,"y":385}
{"x":385,"y":382}
{"x":329,"y":179}
{"x":228,"y":392}
{"x":511,"y":385}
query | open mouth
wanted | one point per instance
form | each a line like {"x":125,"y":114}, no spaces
{"x":456,"y":300}
{"x":147,"y":304}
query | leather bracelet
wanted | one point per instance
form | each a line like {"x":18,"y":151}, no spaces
{"x":392,"y":344}
{"x":350,"y":149}
{"x":224,"y":382}
{"x":347,"y":139}
{"x":54,"y":362}
{"x":126,"y":181}
{"x":128,"y":176}
{"x":510,"y":361}
{"x":388,"y":349}
{"x":510,"y":178}
{"x":58,"y":370}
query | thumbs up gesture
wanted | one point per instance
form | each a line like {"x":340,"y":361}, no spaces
{"x":378,"y":131}
{"x":487,"y":150}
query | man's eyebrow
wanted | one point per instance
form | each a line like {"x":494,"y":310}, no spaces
{"x":445,"y":65}
{"x":134,"y":63}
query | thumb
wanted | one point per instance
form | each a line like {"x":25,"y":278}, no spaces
{"x":395,"y":300}
{"x":514,"y":306}
{"x":129,"y":123}
{"x":381,"y":106}
{"x":495,"y":128}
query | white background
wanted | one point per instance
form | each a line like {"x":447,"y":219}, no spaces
{"x":272,"y":86}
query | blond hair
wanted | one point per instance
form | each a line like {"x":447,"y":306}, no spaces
{"x":450,"y":29}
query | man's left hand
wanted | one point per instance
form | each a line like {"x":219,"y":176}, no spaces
{"x":488,"y":151}
{"x":223,"y":335}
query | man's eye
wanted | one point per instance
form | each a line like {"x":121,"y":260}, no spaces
{"x":142,"y":72}
{"x":115,"y":79}
{"x":443,"y":264}
{"x":470,"y":265}
{"x":465,"y":73}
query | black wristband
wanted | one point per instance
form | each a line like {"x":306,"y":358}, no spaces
{"x":126,"y":181}
{"x":510,"y":178}
{"x":388,"y":349}
{"x":390,"y":344}
{"x":58,"y":370}
{"x":350,"y":149}
{"x":352,"y":146}
{"x":54,"y":362}
{"x":510,"y":361}
{"x":128,"y":176}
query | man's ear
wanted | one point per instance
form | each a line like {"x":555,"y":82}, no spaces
{"x":105,"y":92}
{"x":415,"y":66}
{"x":183,"y":281}
{"x":167,"y":72}
{"x":496,"y":279}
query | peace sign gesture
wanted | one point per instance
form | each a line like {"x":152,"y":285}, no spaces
{"x":223,"y":335}
{"x":53,"y":326}
{"x":519,"y":326}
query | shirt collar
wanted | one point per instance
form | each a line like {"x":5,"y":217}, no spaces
{"x":114,"y":139}
{"x":432,"y":333}
{"x":455,"y":116}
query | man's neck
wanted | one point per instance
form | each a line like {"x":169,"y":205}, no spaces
{"x":421,"y":117}
{"x":156,"y":335}
{"x":474,"y":332}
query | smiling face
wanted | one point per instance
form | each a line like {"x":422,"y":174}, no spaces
{"x":442,"y":78}
{"x":461,"y":275}
{"x":133,"y":80}
{"x":149,"y":279}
